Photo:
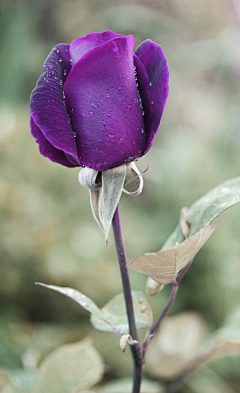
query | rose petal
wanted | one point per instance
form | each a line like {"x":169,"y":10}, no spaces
{"x":144,"y":90}
{"x":155,"y":63}
{"x":46,"y":149}
{"x":47,"y":103}
{"x":107,"y":117}
{"x":82,"y":45}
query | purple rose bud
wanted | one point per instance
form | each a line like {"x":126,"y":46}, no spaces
{"x":99,"y":104}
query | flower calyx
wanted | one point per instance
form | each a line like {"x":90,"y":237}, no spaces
{"x":105,"y":190}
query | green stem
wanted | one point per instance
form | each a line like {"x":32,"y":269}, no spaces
{"x":135,"y":349}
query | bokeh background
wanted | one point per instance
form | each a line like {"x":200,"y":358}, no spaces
{"x":47,"y":232}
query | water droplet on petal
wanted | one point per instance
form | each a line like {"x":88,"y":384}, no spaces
{"x":135,"y":100}
{"x":103,"y":123}
{"x":60,"y":60}
{"x":98,"y":103}
{"x":150,"y":83}
{"x":98,"y":166}
{"x":90,"y":113}
{"x":115,"y":46}
{"x":65,"y":72}
{"x":109,"y":115}
{"x":129,"y":106}
{"x":111,"y":137}
{"x":107,"y":96}
{"x":152,"y":102}
{"x":142,"y":130}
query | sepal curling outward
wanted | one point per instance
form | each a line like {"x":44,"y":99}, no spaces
{"x":105,"y":191}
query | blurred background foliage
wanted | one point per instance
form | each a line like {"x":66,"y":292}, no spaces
{"x":47,"y":232}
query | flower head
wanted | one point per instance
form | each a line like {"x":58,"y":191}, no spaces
{"x":99,"y":104}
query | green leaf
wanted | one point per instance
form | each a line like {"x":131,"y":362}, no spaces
{"x":212,"y":204}
{"x":226,"y":341}
{"x":125,"y":386}
{"x":115,"y":313}
{"x":84,"y":301}
{"x":192,"y":231}
{"x":112,"y":317}
{"x":5,"y":382}
{"x":23,"y":381}
{"x":70,"y":368}
{"x":206,"y":209}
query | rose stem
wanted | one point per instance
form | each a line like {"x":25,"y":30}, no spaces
{"x":135,"y":349}
{"x":166,"y":309}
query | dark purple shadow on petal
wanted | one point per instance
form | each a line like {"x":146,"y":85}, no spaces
{"x":155,"y":63}
{"x":107,"y":116}
{"x":47,"y":102}
{"x":47,"y":150}
{"x":144,"y":91}
{"x":82,"y":45}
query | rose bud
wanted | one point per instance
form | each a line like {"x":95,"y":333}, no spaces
{"x":98,"y":104}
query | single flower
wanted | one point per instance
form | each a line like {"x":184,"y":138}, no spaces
{"x":98,"y":105}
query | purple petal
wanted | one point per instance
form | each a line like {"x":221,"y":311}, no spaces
{"x":144,"y":90}
{"x":107,"y":116}
{"x":47,"y":103}
{"x":82,"y":45}
{"x":46,"y":149}
{"x":152,"y":57}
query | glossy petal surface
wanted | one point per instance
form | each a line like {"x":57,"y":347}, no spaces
{"x":103,"y":102}
{"x":46,"y":149}
{"x":47,"y":103}
{"x":82,"y":45}
{"x":144,"y":90}
{"x":152,"y":57}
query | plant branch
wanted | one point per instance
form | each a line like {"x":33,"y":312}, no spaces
{"x":166,"y":309}
{"x":135,"y":349}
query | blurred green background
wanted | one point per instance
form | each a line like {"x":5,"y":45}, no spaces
{"x":47,"y":231}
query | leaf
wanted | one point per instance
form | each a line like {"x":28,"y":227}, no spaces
{"x":206,"y":209}
{"x":192,"y":221}
{"x":212,"y":204}
{"x":70,"y":368}
{"x":226,"y":341}
{"x":23,"y":381}
{"x":5,"y":382}
{"x":127,"y":339}
{"x":153,"y":287}
{"x":125,"y":386}
{"x":109,"y":318}
{"x":165,"y":264}
{"x":176,"y":344}
{"x":115,"y":313}
{"x":84,"y":301}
